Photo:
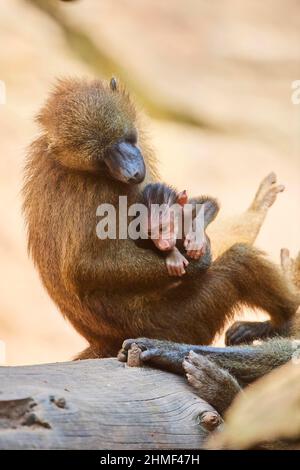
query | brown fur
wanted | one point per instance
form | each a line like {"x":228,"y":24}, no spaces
{"x":112,"y":289}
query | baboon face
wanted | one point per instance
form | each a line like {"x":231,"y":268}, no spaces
{"x":91,"y":126}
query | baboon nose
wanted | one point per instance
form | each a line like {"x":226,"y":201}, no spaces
{"x":136,"y":178}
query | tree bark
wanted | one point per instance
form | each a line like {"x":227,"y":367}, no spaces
{"x":100,"y":404}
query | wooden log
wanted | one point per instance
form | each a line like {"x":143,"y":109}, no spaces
{"x":100,"y":404}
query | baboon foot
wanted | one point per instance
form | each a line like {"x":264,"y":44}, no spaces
{"x":248,"y":331}
{"x":267,"y":193}
{"x":212,"y":384}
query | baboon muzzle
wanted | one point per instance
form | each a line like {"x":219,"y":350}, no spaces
{"x":125,"y":163}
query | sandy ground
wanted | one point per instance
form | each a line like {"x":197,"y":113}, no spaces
{"x":231,"y":68}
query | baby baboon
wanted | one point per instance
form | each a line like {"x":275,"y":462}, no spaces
{"x":168,"y":227}
{"x":91,"y":151}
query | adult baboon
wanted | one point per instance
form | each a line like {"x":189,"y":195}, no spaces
{"x":92,"y":150}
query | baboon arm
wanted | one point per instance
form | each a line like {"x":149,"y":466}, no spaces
{"x":248,"y":363}
{"x":129,"y":266}
{"x":245,"y":363}
{"x":211,"y":207}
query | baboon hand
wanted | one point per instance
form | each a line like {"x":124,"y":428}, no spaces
{"x":164,"y":355}
{"x":150,"y":346}
{"x":212,"y":384}
{"x":194,"y":248}
{"x":248,"y":331}
{"x":176,"y":263}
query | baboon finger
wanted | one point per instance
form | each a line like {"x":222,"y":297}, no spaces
{"x":150,"y":354}
{"x":122,"y":355}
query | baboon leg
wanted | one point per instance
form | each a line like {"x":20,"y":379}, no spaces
{"x":248,"y":331}
{"x":245,"y":227}
{"x":197,"y":309}
{"x":259,"y":283}
{"x":264,"y":198}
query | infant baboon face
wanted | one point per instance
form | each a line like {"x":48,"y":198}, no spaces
{"x":92,"y":127}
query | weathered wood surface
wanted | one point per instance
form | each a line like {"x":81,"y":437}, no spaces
{"x":97,"y":404}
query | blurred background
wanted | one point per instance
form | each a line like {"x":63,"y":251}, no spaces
{"x":214,"y":78}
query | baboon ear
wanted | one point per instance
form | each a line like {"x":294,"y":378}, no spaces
{"x":182,"y":198}
{"x":113,"y":84}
